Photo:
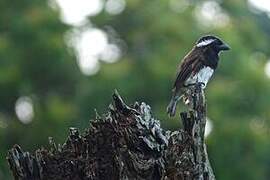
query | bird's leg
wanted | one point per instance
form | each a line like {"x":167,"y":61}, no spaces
{"x":171,"y":108}
{"x":177,"y":98}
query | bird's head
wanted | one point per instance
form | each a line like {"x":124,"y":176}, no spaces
{"x":212,"y":42}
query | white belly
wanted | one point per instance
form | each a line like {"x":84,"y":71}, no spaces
{"x":202,"y":76}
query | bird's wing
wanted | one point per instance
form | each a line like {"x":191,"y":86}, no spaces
{"x":190,"y":65}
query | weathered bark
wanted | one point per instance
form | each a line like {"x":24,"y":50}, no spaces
{"x":125,"y":143}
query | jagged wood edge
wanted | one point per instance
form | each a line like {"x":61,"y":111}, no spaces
{"x":191,"y":163}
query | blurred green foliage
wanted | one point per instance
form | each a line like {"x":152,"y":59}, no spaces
{"x":35,"y":61}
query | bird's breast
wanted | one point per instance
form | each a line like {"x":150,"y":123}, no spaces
{"x":202,"y":76}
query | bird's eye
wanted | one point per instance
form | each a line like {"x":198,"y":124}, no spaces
{"x":220,"y":42}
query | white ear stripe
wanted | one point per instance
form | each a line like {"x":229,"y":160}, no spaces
{"x":205,"y":43}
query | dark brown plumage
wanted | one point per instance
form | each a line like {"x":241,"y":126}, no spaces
{"x":197,"y":66}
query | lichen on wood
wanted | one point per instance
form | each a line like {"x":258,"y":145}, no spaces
{"x":125,"y":143}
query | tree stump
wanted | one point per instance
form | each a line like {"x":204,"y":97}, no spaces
{"x":125,"y":143}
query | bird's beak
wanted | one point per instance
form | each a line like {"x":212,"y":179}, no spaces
{"x":224,"y":47}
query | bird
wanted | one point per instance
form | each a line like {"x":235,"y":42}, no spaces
{"x":197,"y":67}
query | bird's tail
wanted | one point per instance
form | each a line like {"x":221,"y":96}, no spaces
{"x":171,"y":108}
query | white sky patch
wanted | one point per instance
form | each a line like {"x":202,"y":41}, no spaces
{"x":111,"y":54}
{"x":208,"y":127}
{"x":210,"y":14}
{"x":267,"y":69}
{"x":75,"y":12}
{"x":24,"y":109}
{"x":89,"y":65}
{"x":260,"y":4}
{"x":114,"y":7}
{"x":90,"y":44}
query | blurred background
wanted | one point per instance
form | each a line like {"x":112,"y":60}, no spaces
{"x":61,"y":59}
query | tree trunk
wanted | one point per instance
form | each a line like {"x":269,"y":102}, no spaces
{"x":126,"y":143}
